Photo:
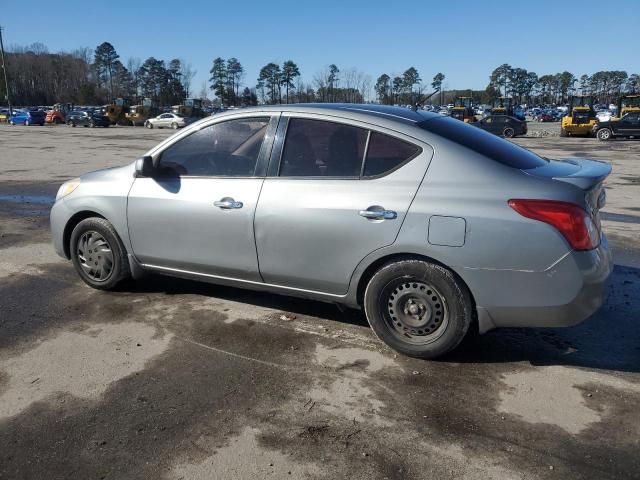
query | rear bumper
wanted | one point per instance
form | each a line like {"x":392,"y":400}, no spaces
{"x":565,"y":294}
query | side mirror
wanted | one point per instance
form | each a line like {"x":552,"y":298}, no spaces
{"x":144,"y":166}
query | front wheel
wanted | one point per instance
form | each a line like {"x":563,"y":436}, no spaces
{"x":148,"y":125}
{"x":98,"y":254}
{"x":563,"y":132}
{"x":604,"y":134}
{"x":509,"y":132}
{"x":27,"y":123}
{"x":418,"y":308}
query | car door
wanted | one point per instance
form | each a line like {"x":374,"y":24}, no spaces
{"x":195,"y":213}
{"x":629,"y":124}
{"x":320,"y":211}
{"x":163,"y":120}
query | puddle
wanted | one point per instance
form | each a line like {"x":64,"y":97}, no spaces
{"x":37,"y":199}
{"x":80,"y":364}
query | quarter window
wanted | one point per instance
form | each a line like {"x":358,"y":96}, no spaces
{"x":227,"y":149}
{"x":316,"y":148}
{"x":387,"y":153}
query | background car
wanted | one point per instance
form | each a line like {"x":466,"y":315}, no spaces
{"x":627,"y":126}
{"x":27,"y":117}
{"x":168,"y":120}
{"x":87,"y":118}
{"x":502,"y":125}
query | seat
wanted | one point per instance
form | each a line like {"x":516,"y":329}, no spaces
{"x":298,"y":159}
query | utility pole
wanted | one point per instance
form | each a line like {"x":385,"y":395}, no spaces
{"x":4,"y":69}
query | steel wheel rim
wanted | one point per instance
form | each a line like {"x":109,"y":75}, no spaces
{"x":604,"y":134}
{"x":95,"y":256}
{"x":414,"y":311}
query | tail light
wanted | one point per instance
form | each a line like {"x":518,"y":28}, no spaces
{"x":573,"y":222}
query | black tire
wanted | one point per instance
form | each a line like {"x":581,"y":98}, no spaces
{"x":174,"y":125}
{"x":563,"y":132}
{"x":447,"y":302}
{"x":84,"y":261}
{"x":27,"y":123}
{"x":72,"y":123}
{"x":92,"y":125}
{"x":604,"y":134}
{"x":149,"y":125}
{"x":57,"y":121}
{"x":509,"y":132}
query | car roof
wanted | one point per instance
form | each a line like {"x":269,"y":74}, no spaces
{"x":353,"y":110}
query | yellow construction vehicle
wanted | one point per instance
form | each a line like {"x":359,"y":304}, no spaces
{"x":117,"y":111}
{"x":580,"y":118}
{"x":138,"y":114}
{"x":628,"y":103}
{"x":463,"y":110}
{"x":192,"y":107}
{"x":502,"y":106}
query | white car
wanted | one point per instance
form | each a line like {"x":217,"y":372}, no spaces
{"x":604,"y":115}
{"x":167,"y":120}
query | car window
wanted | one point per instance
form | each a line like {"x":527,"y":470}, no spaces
{"x":484,"y":143}
{"x":165,"y":115}
{"x":317,"y":148}
{"x":386,"y":153}
{"x":227,"y":149}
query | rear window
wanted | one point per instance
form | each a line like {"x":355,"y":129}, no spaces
{"x":484,"y":143}
{"x":386,"y":153}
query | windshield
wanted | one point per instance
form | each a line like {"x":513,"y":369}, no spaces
{"x":484,"y":143}
{"x":631,"y":102}
{"x":582,"y":101}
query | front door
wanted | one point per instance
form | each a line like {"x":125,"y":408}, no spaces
{"x":629,"y":124}
{"x":321,"y":211}
{"x":196,"y":213}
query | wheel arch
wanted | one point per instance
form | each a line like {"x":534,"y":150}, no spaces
{"x":71,"y":224}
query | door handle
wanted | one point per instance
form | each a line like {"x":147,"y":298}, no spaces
{"x":378,"y":214}
{"x":227,"y":203}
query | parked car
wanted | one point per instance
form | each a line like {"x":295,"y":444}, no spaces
{"x":502,"y":125}
{"x":333,"y":202}
{"x":627,"y":126}
{"x":546,"y":117}
{"x":27,"y":117}
{"x":604,"y":115}
{"x":87,"y":118}
{"x":167,"y":120}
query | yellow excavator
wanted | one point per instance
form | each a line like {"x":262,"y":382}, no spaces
{"x":140,"y":113}
{"x":628,"y":103}
{"x":117,"y":110}
{"x":463,"y":110}
{"x":192,"y":107}
{"x":580,"y":118}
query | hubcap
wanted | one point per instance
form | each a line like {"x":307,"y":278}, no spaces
{"x":95,"y":256}
{"x":415,"y":310}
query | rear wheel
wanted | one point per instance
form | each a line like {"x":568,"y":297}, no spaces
{"x":72,"y":123}
{"x":27,"y":123}
{"x":98,"y":254}
{"x":57,"y":121}
{"x":509,"y":132}
{"x":418,"y":308}
{"x":604,"y":134}
{"x":92,"y":125}
{"x":563,"y":132}
{"x":174,"y":125}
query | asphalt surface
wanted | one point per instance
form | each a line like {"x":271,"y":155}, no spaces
{"x":174,"y":379}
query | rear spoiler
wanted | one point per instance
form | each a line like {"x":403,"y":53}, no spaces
{"x":582,"y":173}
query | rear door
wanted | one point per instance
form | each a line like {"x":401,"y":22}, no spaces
{"x":629,"y":124}
{"x":322,"y":210}
{"x":196,"y":213}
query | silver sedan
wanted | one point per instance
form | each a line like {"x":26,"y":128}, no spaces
{"x":167,"y":120}
{"x":430,"y":225}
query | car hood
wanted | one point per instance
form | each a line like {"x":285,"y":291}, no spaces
{"x":109,"y":174}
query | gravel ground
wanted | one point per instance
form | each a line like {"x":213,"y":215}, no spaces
{"x":174,"y":379}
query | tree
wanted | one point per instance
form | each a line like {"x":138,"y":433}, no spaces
{"x":383,"y":89}
{"x":104,"y":58}
{"x":249,"y":98}
{"x":396,"y":88}
{"x":436,"y":84}
{"x":500,"y":78}
{"x":271,"y":78}
{"x":289,"y":72}
{"x":332,"y":80}
{"x":186,"y":75}
{"x":234,"y":75}
{"x":410,"y":78}
{"x":218,"y":78}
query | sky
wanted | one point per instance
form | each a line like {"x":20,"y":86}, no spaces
{"x":465,"y":40}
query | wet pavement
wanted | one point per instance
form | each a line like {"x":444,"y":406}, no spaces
{"x":172,"y":379}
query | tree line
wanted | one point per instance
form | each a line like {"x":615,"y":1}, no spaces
{"x":525,"y":86}
{"x":86,"y":77}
